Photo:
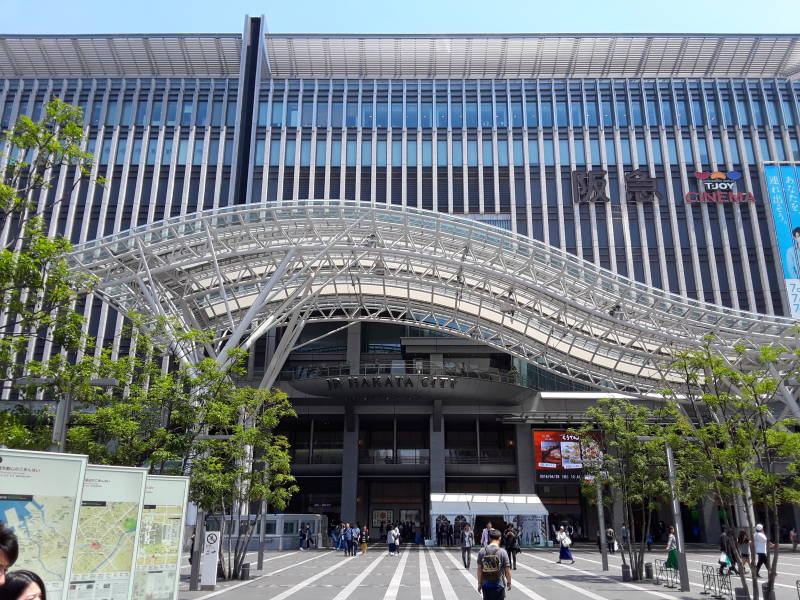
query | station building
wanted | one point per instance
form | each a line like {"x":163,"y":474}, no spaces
{"x":642,"y":156}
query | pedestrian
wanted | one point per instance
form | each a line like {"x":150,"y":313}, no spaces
{"x":623,"y":533}
{"x":599,"y":542}
{"x":564,"y":543}
{"x":22,"y":585}
{"x":672,"y":550}
{"x":793,"y":539}
{"x":9,"y":550}
{"x":511,"y":543}
{"x":494,"y":569}
{"x":743,"y":541}
{"x":302,"y":534}
{"x":649,"y":541}
{"x":354,"y":540}
{"x":761,"y":543}
{"x":450,"y":534}
{"x":347,"y":537}
{"x":610,"y":540}
{"x":485,"y":534}
{"x":364,"y":539}
{"x":390,"y":540}
{"x":727,"y":553}
{"x":467,"y":542}
{"x":398,"y":538}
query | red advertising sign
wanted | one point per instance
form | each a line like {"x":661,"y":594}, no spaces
{"x":559,"y":455}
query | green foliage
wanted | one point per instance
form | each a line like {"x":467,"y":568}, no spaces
{"x":25,"y":429}
{"x":37,"y":290}
{"x":739,"y":451}
{"x":636,"y":468}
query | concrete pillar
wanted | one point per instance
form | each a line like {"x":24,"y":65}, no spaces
{"x":618,"y":510}
{"x":350,"y":468}
{"x":711,"y":525}
{"x":437,"y":472}
{"x":354,"y":347}
{"x":525,"y":466}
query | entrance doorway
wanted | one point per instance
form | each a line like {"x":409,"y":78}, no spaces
{"x":400,"y":502}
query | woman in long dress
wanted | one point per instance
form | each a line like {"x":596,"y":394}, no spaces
{"x":672,"y":550}
{"x":564,"y":543}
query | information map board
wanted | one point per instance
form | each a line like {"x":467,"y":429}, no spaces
{"x":158,"y":556}
{"x":106,"y":540}
{"x":40,"y":493}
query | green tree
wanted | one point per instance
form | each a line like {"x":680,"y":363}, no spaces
{"x":37,"y":290}
{"x":741,"y":456}
{"x":635,"y":469}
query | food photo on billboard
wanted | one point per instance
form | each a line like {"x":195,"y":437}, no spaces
{"x":559,"y":454}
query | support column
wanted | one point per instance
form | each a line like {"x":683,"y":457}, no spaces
{"x":525,"y":466}
{"x":350,"y":466}
{"x":437,"y":472}
{"x":354,"y":348}
{"x":711,"y":523}
{"x":618,"y":511}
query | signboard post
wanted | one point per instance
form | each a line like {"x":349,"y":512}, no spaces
{"x":158,"y":556}
{"x":209,"y":560}
{"x":106,"y":539}
{"x":40,"y":493}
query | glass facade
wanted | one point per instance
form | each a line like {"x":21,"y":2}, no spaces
{"x":500,"y":150}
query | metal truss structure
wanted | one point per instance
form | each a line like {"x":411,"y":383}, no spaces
{"x":242,"y":270}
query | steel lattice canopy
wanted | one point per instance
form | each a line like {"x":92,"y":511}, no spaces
{"x":244,"y":269}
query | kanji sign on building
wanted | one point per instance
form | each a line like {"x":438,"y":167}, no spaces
{"x":640,"y":187}
{"x":589,"y":186}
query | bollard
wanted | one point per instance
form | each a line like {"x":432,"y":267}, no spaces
{"x":245,"y":572}
{"x":626,"y":572}
{"x":648,"y":570}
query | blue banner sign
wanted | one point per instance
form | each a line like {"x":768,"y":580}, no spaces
{"x":783,"y":189}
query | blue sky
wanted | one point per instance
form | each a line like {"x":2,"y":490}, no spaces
{"x":403,"y":16}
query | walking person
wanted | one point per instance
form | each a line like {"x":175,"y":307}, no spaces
{"x":564,"y":543}
{"x":672,"y":550}
{"x":354,"y":539}
{"x":727,"y":553}
{"x":347,"y":538}
{"x":303,"y":538}
{"x":743,"y":541}
{"x":494,"y":569}
{"x":466,"y":543}
{"x":761,"y":542}
{"x":364,"y":539}
{"x":485,"y":534}
{"x":397,"y":539}
{"x":793,"y":539}
{"x":511,"y":543}
{"x":391,"y":541}
{"x":610,"y":540}
{"x":649,"y":541}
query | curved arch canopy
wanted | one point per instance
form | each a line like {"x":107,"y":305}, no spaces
{"x":242,"y":270}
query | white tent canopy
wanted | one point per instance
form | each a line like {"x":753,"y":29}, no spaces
{"x":487,"y":504}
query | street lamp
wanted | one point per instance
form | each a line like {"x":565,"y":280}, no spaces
{"x":64,"y":407}
{"x":676,"y":512}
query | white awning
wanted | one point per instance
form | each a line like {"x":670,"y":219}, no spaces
{"x":487,"y":504}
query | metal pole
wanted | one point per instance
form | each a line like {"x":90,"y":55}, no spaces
{"x":261,"y":534}
{"x":676,"y":516}
{"x":601,"y":530}
{"x":197,"y":552}
{"x":63,"y":410}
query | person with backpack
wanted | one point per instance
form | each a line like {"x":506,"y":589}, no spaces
{"x":494,"y":569}
{"x":467,"y":542}
{"x":564,"y":543}
{"x":511,"y":543}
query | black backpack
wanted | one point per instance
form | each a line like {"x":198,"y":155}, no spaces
{"x":490,"y":565}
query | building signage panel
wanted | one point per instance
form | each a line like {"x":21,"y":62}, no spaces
{"x":718,"y":186}
{"x":559,"y":455}
{"x":589,"y":186}
{"x":784,"y":198}
{"x":40,"y":493}
{"x":160,"y":538}
{"x":640,"y":187}
{"x":391,"y":381}
{"x":106,"y":540}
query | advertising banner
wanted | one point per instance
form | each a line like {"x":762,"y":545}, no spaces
{"x":559,"y":455}
{"x":106,"y":540}
{"x":784,"y":198}
{"x":40,"y":493}
{"x":158,"y":556}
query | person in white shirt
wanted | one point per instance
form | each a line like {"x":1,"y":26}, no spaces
{"x":391,"y":540}
{"x":761,"y":543}
{"x":485,"y":534}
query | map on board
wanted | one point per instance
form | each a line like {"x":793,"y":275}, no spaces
{"x":104,"y":547}
{"x":43,"y":525}
{"x":160,"y":539}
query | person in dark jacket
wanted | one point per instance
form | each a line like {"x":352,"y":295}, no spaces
{"x":727,"y":546}
{"x":511,"y":544}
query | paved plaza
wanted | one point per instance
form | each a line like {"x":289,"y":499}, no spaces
{"x":438,"y":574}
